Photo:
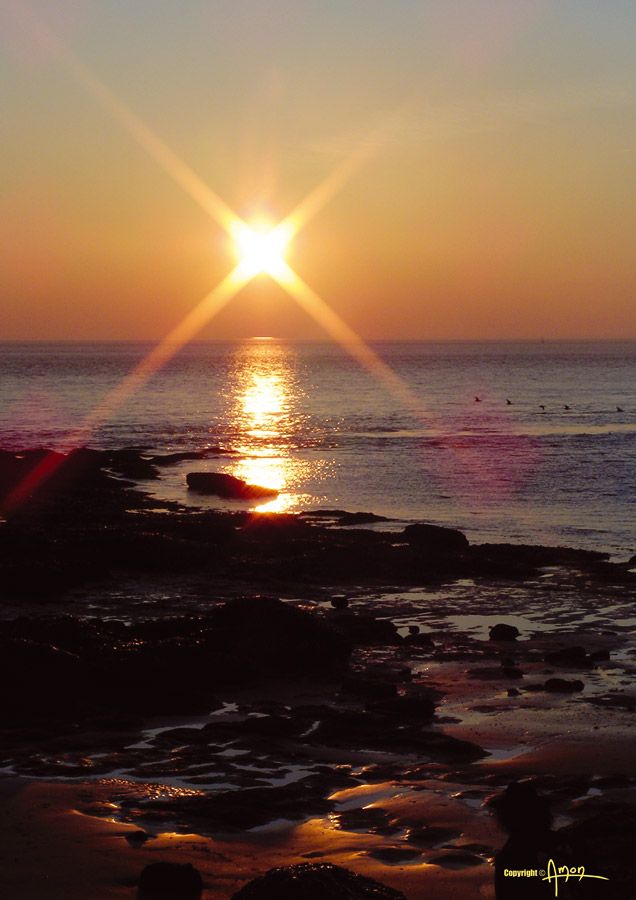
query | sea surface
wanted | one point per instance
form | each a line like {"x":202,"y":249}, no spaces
{"x":525,"y":442}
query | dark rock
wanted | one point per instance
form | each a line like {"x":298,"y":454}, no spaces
{"x":166,"y":459}
{"x":369,"y":819}
{"x":170,"y":881}
{"x":130,"y":463}
{"x":600,"y":655}
{"x":232,"y":811}
{"x":222,"y":485}
{"x":420,"y":639}
{"x":614,"y":701}
{"x":36,"y":480}
{"x":281,"y":527}
{"x":609,"y":782}
{"x":369,"y":688}
{"x":456,"y":861}
{"x":562,"y":686}
{"x":493,"y":673}
{"x":408,"y":709}
{"x":340,"y":602}
{"x":606,"y":840}
{"x":137,"y":838}
{"x":394,"y":854}
{"x":502,"y":632}
{"x":342,"y":517}
{"x":367,"y":630}
{"x":322,"y":881}
{"x":435,"y":539}
{"x":70,"y":667}
{"x":359,"y":518}
{"x":376,"y":731}
{"x":431,"y":835}
{"x":264,"y":636}
{"x":521,"y":561}
{"x":569,"y":657}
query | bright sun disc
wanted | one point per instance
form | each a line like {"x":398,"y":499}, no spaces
{"x":262,"y":249}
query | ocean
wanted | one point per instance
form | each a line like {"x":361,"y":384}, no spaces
{"x":524,"y":442}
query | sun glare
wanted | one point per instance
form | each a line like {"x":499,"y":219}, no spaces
{"x":261,"y":249}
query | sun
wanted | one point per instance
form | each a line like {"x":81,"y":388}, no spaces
{"x":261,"y":248}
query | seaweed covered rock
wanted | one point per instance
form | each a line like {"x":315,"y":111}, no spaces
{"x":322,"y":881}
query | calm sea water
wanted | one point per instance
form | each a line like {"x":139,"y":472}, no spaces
{"x":308,"y":420}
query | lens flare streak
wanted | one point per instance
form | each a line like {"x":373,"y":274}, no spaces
{"x":259,"y":251}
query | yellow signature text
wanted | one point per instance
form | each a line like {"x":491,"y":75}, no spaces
{"x":566,"y":872}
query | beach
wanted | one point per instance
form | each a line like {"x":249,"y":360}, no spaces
{"x":255,"y":690}
{"x":317,"y":451}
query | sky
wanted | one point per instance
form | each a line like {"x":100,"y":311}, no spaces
{"x":475,"y":162}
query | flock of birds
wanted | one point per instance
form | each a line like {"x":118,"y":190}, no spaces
{"x":542,"y":405}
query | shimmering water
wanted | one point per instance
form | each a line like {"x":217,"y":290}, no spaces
{"x":307,"y":420}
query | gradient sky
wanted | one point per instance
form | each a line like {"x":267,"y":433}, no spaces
{"x":497,"y":199}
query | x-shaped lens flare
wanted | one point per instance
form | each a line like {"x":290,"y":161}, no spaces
{"x":261,"y":249}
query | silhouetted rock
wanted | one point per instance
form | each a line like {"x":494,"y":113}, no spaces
{"x":404,"y":708}
{"x":417,"y":638}
{"x":430,"y":835}
{"x":605,"y":843}
{"x":322,"y":881}
{"x":371,"y":818}
{"x":569,"y":657}
{"x":434,"y":539}
{"x":369,"y":688}
{"x":167,"y":459}
{"x":340,"y":602}
{"x":394,"y":854}
{"x":359,"y":518}
{"x":367,"y":630}
{"x":493,"y":673}
{"x":130,"y":463}
{"x":222,"y":485}
{"x":71,"y":667}
{"x":523,"y":560}
{"x":562,"y":686}
{"x":502,"y":632}
{"x":137,"y":839}
{"x":170,"y":881}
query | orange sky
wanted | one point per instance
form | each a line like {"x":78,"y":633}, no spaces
{"x":496,"y":200}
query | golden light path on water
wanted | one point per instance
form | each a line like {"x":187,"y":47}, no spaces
{"x":246,"y":269}
{"x":264,"y":394}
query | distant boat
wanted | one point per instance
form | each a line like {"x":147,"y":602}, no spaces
{"x":508,"y":402}
{"x":566,"y":406}
{"x":477,"y":399}
{"x":619,"y":409}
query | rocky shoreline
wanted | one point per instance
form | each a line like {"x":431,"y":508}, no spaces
{"x":221,"y":673}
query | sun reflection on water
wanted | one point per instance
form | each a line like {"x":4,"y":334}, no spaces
{"x":264,"y":412}
{"x":262,"y":404}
